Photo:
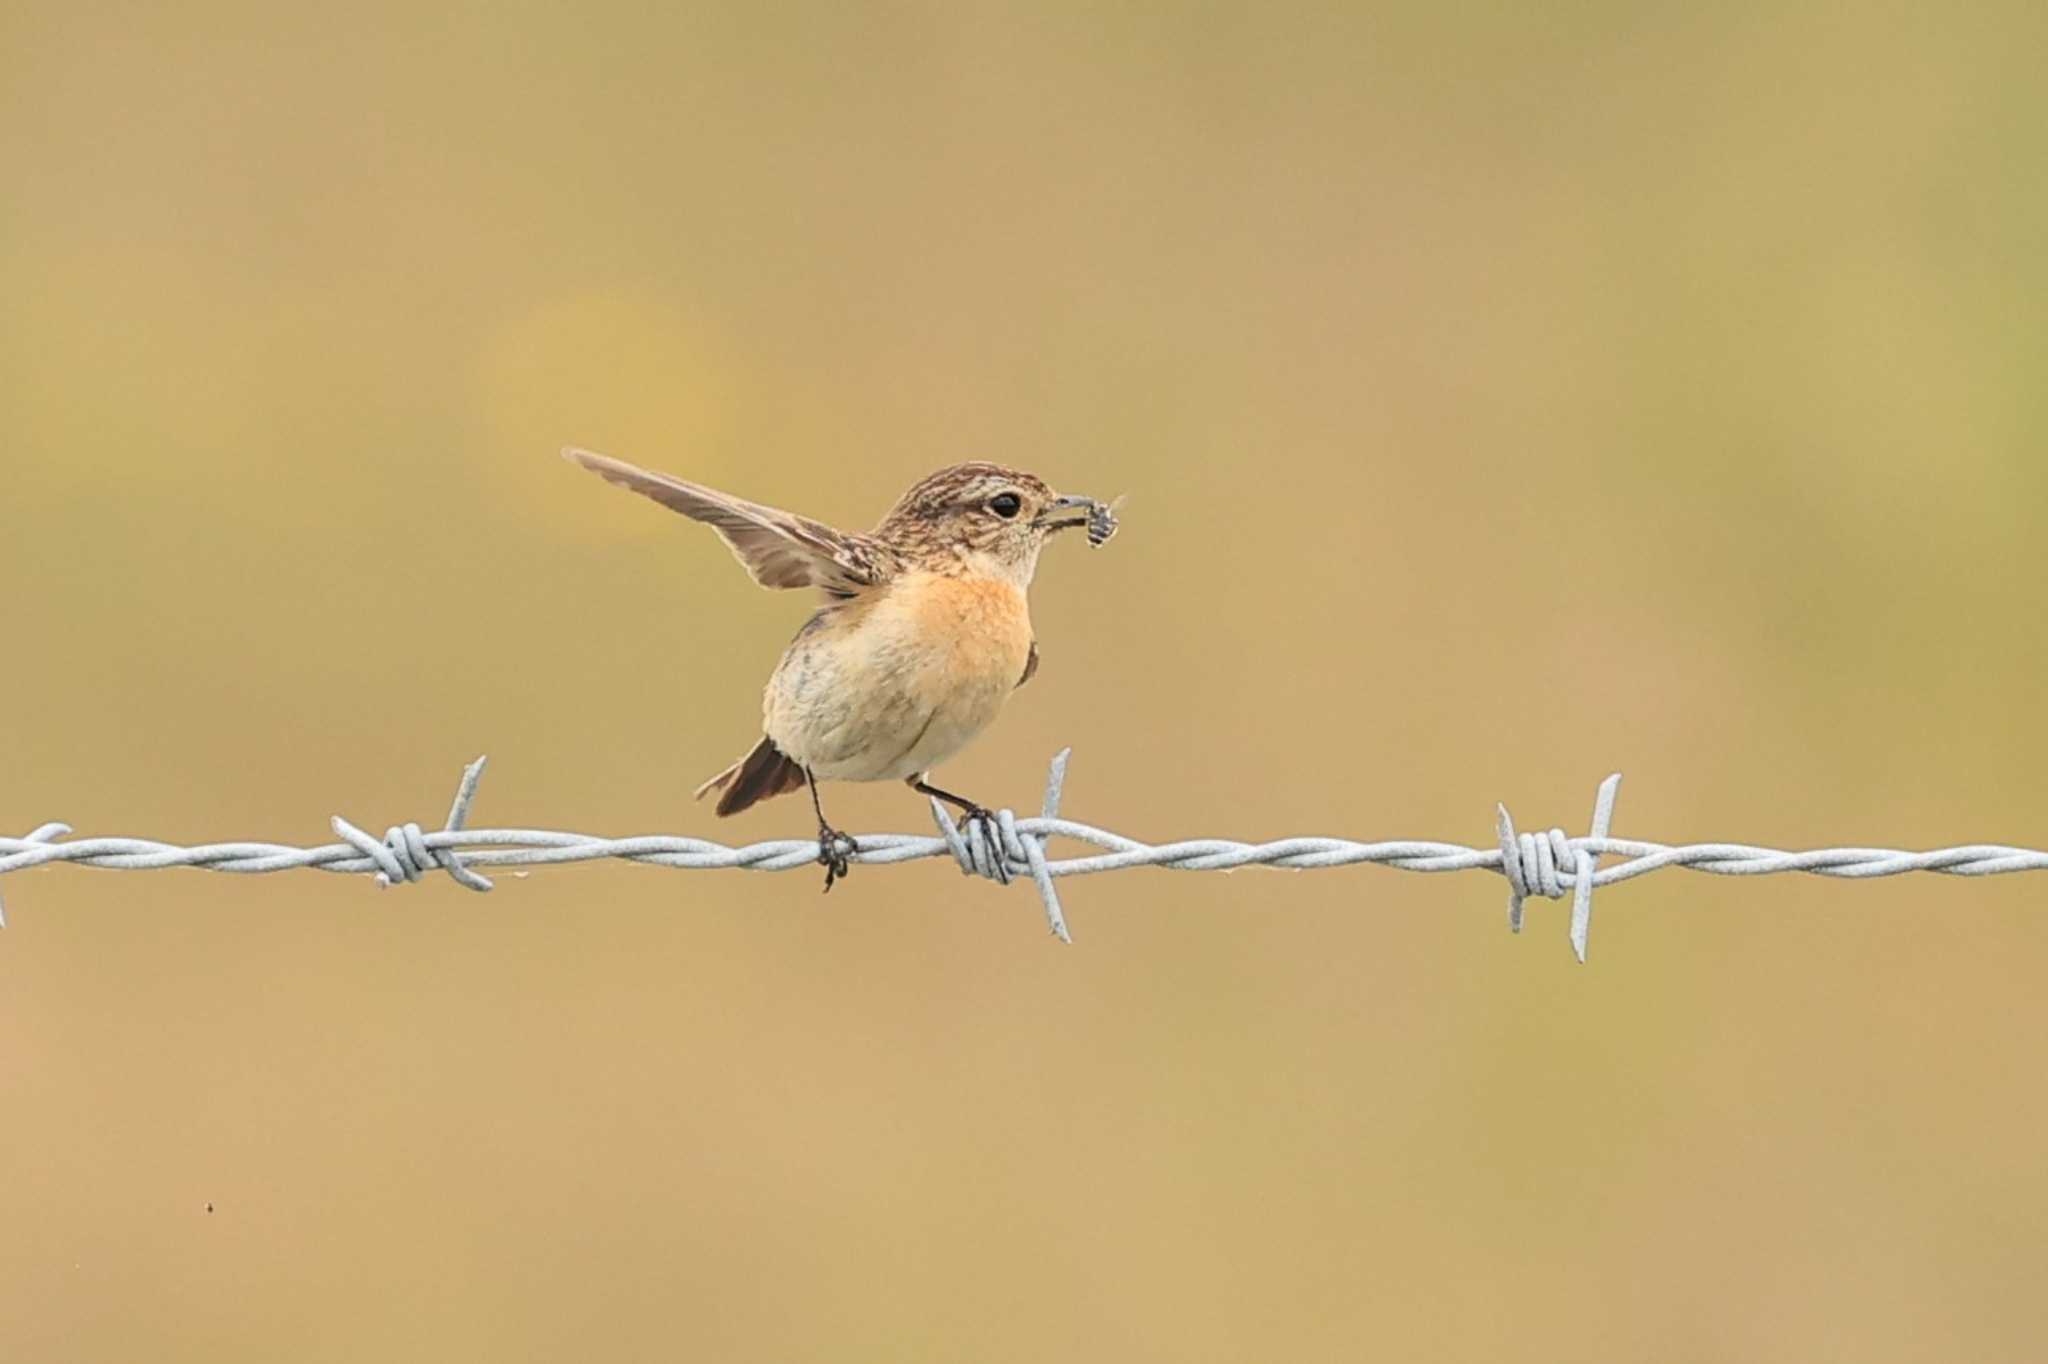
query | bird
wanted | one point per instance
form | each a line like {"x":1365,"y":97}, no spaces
{"x":923,"y":632}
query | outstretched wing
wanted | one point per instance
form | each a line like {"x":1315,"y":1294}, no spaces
{"x":778,"y":548}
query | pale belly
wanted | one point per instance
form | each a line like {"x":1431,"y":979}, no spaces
{"x":884,"y":690}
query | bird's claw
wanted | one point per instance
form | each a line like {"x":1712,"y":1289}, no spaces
{"x":990,"y":835}
{"x":834,"y":849}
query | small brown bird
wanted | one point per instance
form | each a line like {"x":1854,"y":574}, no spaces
{"x":924,"y":633}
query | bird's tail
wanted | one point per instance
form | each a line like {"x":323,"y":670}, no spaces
{"x":765,"y":772}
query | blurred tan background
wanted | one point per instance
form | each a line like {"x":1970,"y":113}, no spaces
{"x":1504,"y":397}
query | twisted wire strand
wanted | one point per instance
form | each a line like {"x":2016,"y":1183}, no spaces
{"x":1551,"y":864}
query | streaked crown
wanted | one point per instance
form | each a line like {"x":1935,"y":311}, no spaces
{"x":970,"y":509}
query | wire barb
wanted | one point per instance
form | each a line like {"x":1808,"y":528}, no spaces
{"x":996,"y":852}
{"x":42,"y":833}
{"x":1546,"y":864}
{"x":1005,"y":847}
{"x":404,"y":855}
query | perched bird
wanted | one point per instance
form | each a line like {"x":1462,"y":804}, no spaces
{"x":924,"y":633}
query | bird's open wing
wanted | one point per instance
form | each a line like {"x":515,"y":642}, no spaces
{"x":778,"y":548}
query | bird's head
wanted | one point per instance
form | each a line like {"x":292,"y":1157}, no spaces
{"x":988,"y":519}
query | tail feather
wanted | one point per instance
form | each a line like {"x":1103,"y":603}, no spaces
{"x":765,"y":772}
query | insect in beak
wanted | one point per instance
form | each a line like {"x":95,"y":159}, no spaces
{"x":1098,"y":517}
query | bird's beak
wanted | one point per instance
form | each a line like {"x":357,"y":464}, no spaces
{"x":1059,"y":515}
{"x":1067,"y":513}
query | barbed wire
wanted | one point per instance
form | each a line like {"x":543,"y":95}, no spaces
{"x":1004,"y":846}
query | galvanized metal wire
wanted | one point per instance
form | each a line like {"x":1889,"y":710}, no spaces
{"x":1005,"y":846}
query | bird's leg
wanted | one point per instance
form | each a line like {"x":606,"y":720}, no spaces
{"x":968,"y":808}
{"x":971,"y":812}
{"x":833,"y":846}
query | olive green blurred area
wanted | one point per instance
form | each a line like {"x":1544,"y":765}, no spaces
{"x":1504,"y":395}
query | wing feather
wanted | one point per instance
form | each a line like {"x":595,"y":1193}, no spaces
{"x":779,"y":548}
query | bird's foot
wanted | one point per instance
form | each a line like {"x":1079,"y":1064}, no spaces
{"x":833,"y":851}
{"x":990,"y":834}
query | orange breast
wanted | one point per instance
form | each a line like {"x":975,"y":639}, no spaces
{"x":981,"y":630}
{"x":885,"y":688}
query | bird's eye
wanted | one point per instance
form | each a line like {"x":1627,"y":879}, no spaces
{"x":1006,"y":505}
